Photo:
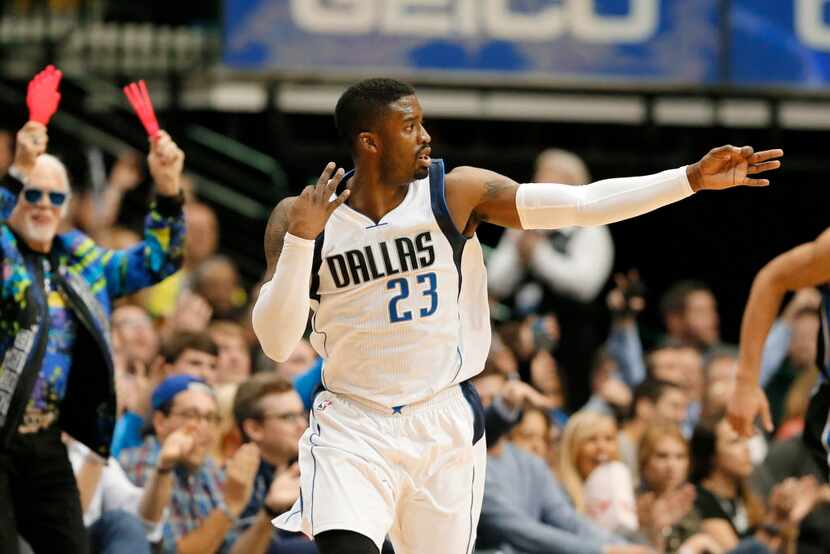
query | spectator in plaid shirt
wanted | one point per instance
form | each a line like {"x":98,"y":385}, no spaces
{"x":204,"y":503}
{"x":270,"y":414}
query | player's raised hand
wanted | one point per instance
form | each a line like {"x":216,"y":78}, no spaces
{"x":730,"y":166}
{"x":748,"y":402}
{"x":312,"y":209}
{"x":166,"y":160}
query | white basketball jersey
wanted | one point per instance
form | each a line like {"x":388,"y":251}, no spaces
{"x":400,"y":306}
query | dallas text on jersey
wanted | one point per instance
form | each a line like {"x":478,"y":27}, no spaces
{"x":354,"y":267}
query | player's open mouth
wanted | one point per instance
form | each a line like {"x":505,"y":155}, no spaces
{"x":424,"y":156}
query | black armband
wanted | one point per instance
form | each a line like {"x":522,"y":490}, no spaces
{"x":12,"y":183}
{"x":169,"y":206}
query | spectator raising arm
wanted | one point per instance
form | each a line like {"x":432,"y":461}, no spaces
{"x":281,"y":496}
{"x":159,"y":488}
{"x":161,"y":252}
{"x":31,"y":143}
{"x":625,"y":302}
{"x":239,"y":481}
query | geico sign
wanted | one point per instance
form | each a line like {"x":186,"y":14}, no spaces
{"x":810,"y":25}
{"x":477,"y":18}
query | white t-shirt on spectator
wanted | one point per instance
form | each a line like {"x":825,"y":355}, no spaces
{"x":609,"y":498}
{"x":115,"y":492}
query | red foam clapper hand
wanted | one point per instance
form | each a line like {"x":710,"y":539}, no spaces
{"x":140,"y":101}
{"x":43,"y":97}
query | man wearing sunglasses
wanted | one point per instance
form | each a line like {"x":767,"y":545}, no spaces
{"x":56,"y":370}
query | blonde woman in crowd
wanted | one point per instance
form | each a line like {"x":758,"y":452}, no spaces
{"x":590,"y":470}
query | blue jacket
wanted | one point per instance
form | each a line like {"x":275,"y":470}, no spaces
{"x":91,"y":277}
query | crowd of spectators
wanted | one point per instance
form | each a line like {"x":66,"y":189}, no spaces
{"x":206,"y":440}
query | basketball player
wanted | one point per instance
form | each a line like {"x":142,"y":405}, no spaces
{"x":400,"y":315}
{"x":807,"y":265}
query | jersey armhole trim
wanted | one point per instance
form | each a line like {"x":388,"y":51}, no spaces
{"x":440,"y":209}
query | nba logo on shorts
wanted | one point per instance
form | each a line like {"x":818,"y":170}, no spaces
{"x":323,"y":405}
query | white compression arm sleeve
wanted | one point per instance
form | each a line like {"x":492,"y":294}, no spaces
{"x":551,"y":206}
{"x":281,"y":310}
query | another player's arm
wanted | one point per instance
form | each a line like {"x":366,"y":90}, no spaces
{"x":476,"y":195}
{"x":804,"y":266}
{"x":281,"y":310}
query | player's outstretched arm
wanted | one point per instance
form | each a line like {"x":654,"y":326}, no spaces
{"x":803,"y":266}
{"x":476,"y":194}
{"x":281,"y":311}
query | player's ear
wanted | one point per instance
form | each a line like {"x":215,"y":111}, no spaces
{"x":367,"y":142}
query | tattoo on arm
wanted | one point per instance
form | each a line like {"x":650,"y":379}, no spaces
{"x":275,"y":235}
{"x":475,"y":195}
{"x":494,"y":188}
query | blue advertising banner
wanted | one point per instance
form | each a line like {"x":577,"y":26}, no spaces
{"x":780,"y":43}
{"x":515,"y":41}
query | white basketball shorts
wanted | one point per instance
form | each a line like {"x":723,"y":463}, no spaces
{"x":414,"y":473}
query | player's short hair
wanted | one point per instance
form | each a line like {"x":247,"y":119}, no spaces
{"x":674,"y":301}
{"x":184,"y":340}
{"x":246,"y":403}
{"x":362,"y":103}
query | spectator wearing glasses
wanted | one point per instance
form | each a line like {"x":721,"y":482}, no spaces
{"x":184,"y":353}
{"x":56,"y":296}
{"x":204,"y":503}
{"x":270,"y":413}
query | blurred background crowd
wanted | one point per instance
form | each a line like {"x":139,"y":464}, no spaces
{"x":613,"y":352}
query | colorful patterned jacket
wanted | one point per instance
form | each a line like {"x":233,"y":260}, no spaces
{"x":91,"y":277}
